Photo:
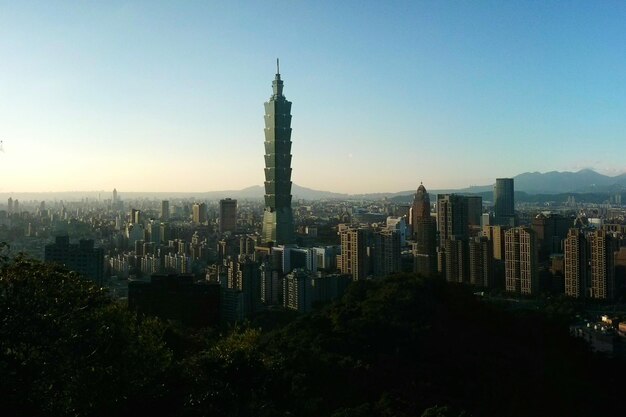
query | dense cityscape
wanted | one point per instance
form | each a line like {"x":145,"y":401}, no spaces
{"x":506,"y":298}
{"x":210,"y":262}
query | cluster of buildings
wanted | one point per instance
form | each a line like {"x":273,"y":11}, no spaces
{"x":228,"y":260}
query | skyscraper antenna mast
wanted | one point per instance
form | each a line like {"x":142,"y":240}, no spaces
{"x":277,"y":66}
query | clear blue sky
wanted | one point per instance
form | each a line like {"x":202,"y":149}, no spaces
{"x":168,"y":96}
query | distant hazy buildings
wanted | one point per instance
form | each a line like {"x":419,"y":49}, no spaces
{"x":228,"y":215}
{"x":135,"y":216}
{"x":165,"y":210}
{"x":504,"y":199}
{"x":278,"y":225}
{"x":199,"y":213}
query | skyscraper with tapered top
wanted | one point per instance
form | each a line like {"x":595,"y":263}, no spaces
{"x":278,"y":217}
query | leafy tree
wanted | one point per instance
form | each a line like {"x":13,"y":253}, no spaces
{"x":67,"y":349}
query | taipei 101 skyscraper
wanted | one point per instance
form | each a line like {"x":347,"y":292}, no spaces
{"x":278,"y":217}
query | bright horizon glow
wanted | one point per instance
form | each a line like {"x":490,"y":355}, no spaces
{"x":164,"y":97}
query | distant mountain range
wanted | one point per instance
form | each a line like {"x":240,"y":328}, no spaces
{"x":554,"y":182}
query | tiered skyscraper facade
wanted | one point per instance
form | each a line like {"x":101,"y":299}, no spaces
{"x":278,"y":217}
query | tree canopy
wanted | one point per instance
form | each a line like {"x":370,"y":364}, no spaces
{"x":404,"y":346}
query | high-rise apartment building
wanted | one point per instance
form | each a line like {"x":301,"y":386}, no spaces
{"x":387,"y":253}
{"x":456,"y":263}
{"x":451,"y":217}
{"x":576,"y":264}
{"x":298,"y":290}
{"x":504,"y":200}
{"x":278,"y":225}
{"x":354,"y":258}
{"x":602,"y":275}
{"x":481,"y":271}
{"x":496,"y":235}
{"x":228,"y":215}
{"x":521,"y":263}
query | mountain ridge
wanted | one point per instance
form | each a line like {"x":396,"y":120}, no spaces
{"x":552,"y":182}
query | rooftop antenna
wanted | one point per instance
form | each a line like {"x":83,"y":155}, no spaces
{"x":277,"y":66}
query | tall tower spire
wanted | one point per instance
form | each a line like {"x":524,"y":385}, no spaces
{"x":278,"y":217}
{"x":277,"y":84}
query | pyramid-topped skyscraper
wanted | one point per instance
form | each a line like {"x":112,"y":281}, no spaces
{"x":278,"y":224}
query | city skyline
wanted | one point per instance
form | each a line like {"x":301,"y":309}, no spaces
{"x":125,"y":94}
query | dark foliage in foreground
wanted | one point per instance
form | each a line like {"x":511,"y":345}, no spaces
{"x":402,"y":347}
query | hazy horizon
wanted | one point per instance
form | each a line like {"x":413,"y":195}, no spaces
{"x":169,"y":96}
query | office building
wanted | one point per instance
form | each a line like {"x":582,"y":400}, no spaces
{"x":474,"y":210}
{"x":504,"y":200}
{"x":228,"y":215}
{"x":399,"y":224}
{"x":551,"y":229}
{"x":424,"y":228}
{"x":278,"y":225}
{"x":521,"y":261}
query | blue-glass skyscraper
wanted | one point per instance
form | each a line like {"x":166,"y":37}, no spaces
{"x":278,"y":217}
